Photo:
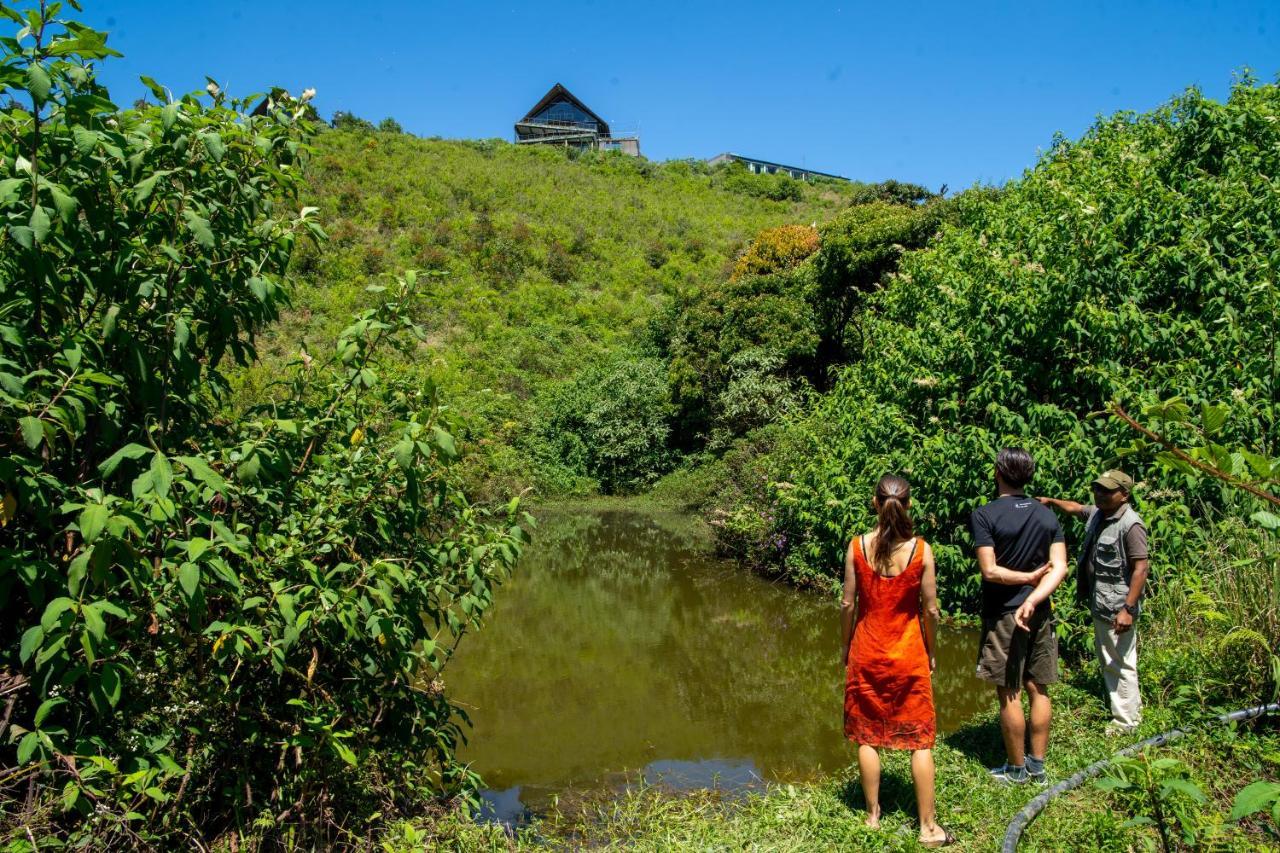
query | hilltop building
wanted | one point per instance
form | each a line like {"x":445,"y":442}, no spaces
{"x":561,"y":119}
{"x":764,"y":167}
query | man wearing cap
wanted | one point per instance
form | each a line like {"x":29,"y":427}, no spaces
{"x":1111,"y":576}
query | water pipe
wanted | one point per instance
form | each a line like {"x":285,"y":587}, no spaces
{"x":1032,"y":809}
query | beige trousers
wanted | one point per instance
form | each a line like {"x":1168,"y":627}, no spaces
{"x":1118,"y":654}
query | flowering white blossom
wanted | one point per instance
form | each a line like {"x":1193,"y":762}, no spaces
{"x":308,"y":94}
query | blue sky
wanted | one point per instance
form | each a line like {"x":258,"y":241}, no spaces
{"x":933,"y":93}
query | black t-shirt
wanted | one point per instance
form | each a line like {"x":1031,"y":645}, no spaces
{"x":1020,"y":529}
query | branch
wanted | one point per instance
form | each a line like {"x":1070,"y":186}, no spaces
{"x":1177,"y":452}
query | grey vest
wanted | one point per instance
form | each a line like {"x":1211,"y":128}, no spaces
{"x":1104,"y":565}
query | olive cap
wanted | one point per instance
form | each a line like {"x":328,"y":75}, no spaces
{"x":1115,"y":479}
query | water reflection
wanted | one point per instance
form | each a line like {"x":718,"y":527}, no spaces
{"x":621,"y":646}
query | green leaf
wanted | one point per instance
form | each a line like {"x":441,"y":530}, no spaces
{"x":32,"y":431}
{"x":109,"y":322}
{"x":77,"y":570}
{"x":45,"y":707}
{"x":10,"y":189}
{"x":86,"y":140}
{"x":344,"y":752}
{"x":249,"y":468}
{"x":161,"y":474}
{"x":189,"y":579}
{"x":38,"y":82}
{"x":1213,"y":417}
{"x":31,"y":640}
{"x":1185,"y":787}
{"x":1267,"y":520}
{"x":202,"y":472}
{"x":93,"y":518}
{"x":444,"y":443}
{"x":93,"y":621}
{"x":39,"y":224}
{"x":129,"y":451}
{"x":66,"y":204}
{"x":109,"y":684}
{"x":1263,"y":467}
{"x":144,"y":188}
{"x":214,"y":145}
{"x":197,"y":546}
{"x":168,"y":115}
{"x":404,"y":454}
{"x":53,"y":611}
{"x":1254,"y":798}
{"x":22,"y":235}
{"x":199,"y":228}
{"x":27,"y":746}
{"x":259,"y":288}
{"x":156,"y":89}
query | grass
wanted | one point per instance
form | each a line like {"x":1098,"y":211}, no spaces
{"x":828,"y":815}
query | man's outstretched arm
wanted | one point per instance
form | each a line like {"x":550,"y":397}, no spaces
{"x":1069,"y":507}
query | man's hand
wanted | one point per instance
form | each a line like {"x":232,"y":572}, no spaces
{"x":1123,"y":622}
{"x":1046,"y":501}
{"x":1035,"y":576}
{"x":1023,"y":617}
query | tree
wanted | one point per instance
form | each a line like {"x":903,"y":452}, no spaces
{"x":207,"y":618}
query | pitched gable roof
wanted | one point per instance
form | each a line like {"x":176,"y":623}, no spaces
{"x":560,"y":93}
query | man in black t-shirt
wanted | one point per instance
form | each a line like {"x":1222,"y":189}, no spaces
{"x":1022,"y":555}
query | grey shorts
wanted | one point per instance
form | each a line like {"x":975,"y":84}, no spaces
{"x":1009,"y":656}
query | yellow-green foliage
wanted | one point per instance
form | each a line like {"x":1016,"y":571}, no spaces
{"x":776,"y":250}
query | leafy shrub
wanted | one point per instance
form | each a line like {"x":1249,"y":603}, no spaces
{"x":777,"y":250}
{"x":343,"y":120}
{"x":208,"y":622}
{"x":1136,"y":263}
{"x":707,"y":330}
{"x":611,"y":423}
{"x":894,"y":192}
{"x":737,"y":178}
{"x":861,"y":248}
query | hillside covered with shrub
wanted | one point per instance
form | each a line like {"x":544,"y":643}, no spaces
{"x":546,"y":263}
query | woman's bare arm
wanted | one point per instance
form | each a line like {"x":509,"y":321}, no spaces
{"x":848,"y":604}
{"x":929,"y":611}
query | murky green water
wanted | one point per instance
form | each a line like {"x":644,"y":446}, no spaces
{"x":622,"y":647}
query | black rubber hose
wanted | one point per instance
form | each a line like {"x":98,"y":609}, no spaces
{"x":1032,"y":809}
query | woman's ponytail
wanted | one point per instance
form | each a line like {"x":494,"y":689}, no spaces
{"x":892,"y":496}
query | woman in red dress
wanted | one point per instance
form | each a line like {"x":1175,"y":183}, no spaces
{"x":889,"y":616}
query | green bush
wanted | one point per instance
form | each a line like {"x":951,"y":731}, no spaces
{"x":208,"y":623}
{"x":611,"y":424}
{"x":1135,"y":264}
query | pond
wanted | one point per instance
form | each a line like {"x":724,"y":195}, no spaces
{"x":623,"y":649}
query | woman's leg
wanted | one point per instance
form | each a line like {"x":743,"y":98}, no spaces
{"x":922,"y":773}
{"x":869,"y":770}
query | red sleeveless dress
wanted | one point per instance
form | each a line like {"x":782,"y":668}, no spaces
{"x":888,"y":697}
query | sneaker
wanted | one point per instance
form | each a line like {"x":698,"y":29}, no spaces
{"x":1035,"y":771}
{"x":1118,"y":730}
{"x":1007,"y":774}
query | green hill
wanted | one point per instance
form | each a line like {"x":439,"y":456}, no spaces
{"x":549,"y":261}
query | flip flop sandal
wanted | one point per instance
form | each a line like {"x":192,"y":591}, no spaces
{"x":946,"y":840}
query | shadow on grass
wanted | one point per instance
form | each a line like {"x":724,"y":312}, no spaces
{"x":897,"y":794}
{"x":979,"y":740}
